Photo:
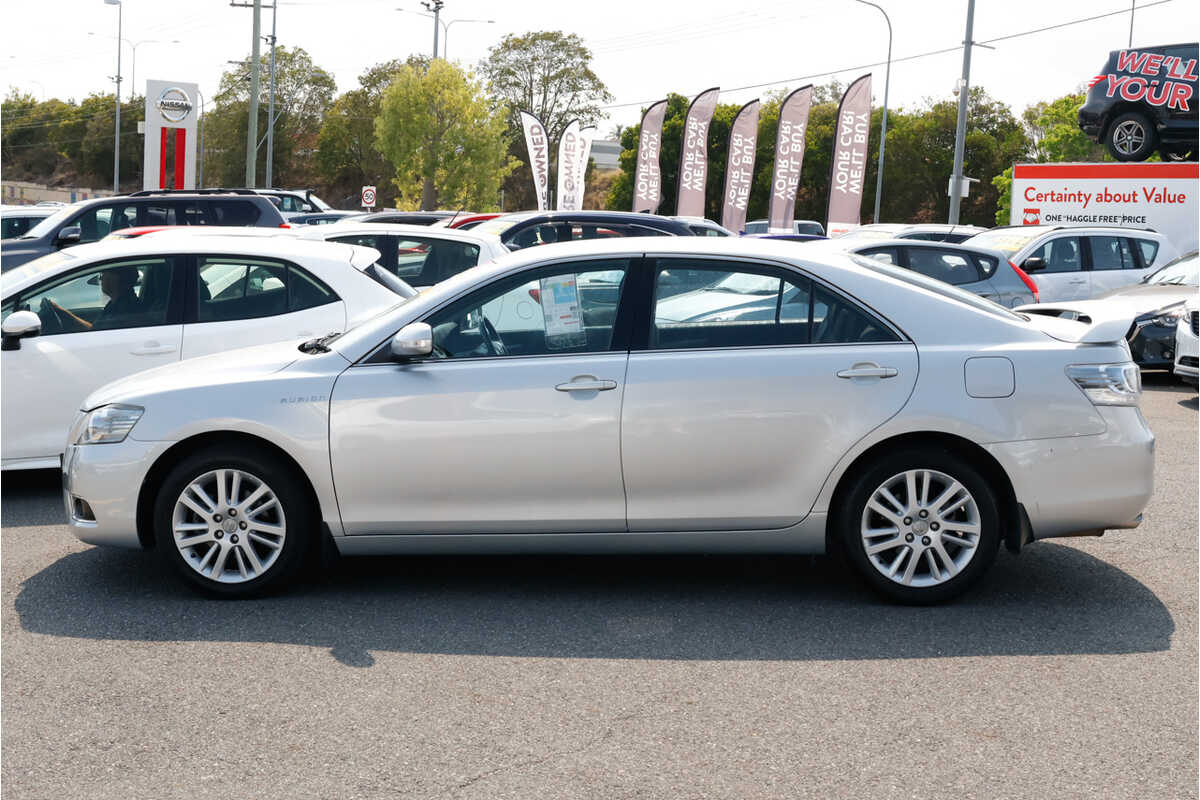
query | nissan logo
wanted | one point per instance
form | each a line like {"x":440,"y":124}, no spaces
{"x":174,"y":104}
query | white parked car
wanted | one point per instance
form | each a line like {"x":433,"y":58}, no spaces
{"x":1187,"y":348}
{"x":420,"y":255}
{"x":1078,"y":263}
{"x":435,"y":428}
{"x":80,"y":318}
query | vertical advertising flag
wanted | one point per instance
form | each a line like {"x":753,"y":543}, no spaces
{"x":739,"y":168}
{"x":539,"y":155}
{"x":693,"y":155}
{"x":570,"y":192}
{"x":789,"y":157}
{"x":848,"y":167}
{"x":647,"y":180}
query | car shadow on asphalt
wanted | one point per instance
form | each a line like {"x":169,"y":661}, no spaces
{"x":1052,"y":599}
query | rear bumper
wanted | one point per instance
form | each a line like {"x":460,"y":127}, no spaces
{"x":1084,"y":485}
{"x":108,"y":479}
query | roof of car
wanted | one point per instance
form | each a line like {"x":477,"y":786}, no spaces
{"x":28,"y":211}
{"x":855,"y":246}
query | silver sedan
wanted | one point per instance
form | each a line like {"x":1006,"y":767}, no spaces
{"x":558,"y":400}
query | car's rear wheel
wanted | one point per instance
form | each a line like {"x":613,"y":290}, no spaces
{"x":920,"y":525}
{"x":234,"y":525}
{"x":1131,"y":137}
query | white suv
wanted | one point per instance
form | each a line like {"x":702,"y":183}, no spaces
{"x":1078,"y":263}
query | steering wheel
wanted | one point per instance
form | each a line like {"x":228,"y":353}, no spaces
{"x":491,"y":339}
{"x":53,"y":320}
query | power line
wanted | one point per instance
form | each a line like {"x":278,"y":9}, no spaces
{"x":912,"y":57}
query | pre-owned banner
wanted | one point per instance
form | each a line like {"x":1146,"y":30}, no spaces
{"x":647,"y":181}
{"x":848,"y":167}
{"x":789,"y":157}
{"x":693,"y":156}
{"x":739,"y":168}
{"x":570,"y":177}
{"x":538,"y":145}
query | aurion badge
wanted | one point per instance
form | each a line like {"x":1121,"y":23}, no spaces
{"x":174,"y":104}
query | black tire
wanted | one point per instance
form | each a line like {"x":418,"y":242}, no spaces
{"x":295,"y":511}
{"x":1131,"y":137}
{"x":850,"y":518}
{"x":1178,"y":153}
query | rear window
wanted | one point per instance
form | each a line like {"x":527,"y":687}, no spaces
{"x":1007,"y":241}
{"x":939,"y":288}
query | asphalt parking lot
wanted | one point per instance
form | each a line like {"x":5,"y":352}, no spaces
{"x":1071,"y":672}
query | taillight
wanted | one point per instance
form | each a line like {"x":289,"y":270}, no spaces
{"x":1028,"y":281}
{"x":536,"y":294}
{"x":284,"y":225}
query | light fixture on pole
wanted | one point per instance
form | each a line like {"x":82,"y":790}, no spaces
{"x":117,"y":124}
{"x":446,"y":32}
{"x":436,"y":7}
{"x":133,"y":46}
{"x":883,"y":125}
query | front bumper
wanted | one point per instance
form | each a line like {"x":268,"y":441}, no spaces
{"x":107,"y":478}
{"x":1091,"y":122}
{"x":1153,"y":346}
{"x":1082,"y":485}
{"x":1187,"y":349}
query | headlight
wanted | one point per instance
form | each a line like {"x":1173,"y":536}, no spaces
{"x":108,"y":424}
{"x":1164,"y":318}
{"x":1108,"y":384}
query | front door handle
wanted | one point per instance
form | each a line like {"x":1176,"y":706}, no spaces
{"x":1078,"y":281}
{"x":586,"y":383}
{"x":868,"y":370}
{"x":153,"y":349}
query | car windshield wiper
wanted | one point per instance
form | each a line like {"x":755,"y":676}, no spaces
{"x":319,"y":344}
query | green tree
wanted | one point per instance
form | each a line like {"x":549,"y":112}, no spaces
{"x":303,"y":93}
{"x":444,"y":137}
{"x":549,"y":74}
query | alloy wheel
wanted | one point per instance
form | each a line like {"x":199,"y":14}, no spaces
{"x":229,"y":526}
{"x":1128,"y":137}
{"x":920,"y":528}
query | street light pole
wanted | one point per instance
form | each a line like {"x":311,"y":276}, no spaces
{"x":436,"y":7}
{"x":960,"y":131}
{"x":1132,"y":8}
{"x":252,"y":121}
{"x":446,"y":33}
{"x":117,"y":124}
{"x":883,"y":125}
{"x":271,"y":103}
{"x":200,"y":144}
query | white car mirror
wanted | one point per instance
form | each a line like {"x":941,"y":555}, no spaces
{"x":414,"y":340}
{"x":19,"y":325}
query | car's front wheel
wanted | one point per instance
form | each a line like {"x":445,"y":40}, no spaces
{"x":233,"y":525}
{"x":1131,"y":137}
{"x":920,"y":525}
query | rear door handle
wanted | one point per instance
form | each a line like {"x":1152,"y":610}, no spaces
{"x":1081,"y":280}
{"x":586,"y":383}
{"x":869,"y":371}
{"x":153,"y":349}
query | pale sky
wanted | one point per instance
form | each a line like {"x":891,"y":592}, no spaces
{"x":642,"y":48}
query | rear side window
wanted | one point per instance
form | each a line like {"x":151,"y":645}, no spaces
{"x":955,"y":268}
{"x":887,"y":255}
{"x":232,"y":288}
{"x":233,"y":212}
{"x":752,"y":306}
{"x":424,"y":262}
{"x":1111,"y":252}
{"x":1149,"y":249}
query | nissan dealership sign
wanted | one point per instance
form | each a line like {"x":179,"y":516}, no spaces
{"x":1162,"y":196}
{"x":174,"y":104}
{"x":169,"y":150}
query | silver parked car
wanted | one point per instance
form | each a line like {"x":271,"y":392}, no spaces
{"x":609,"y":422}
{"x":985,"y":272}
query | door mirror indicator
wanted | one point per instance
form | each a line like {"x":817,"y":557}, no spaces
{"x":1033,"y":264}
{"x":68,"y":236}
{"x":414,"y":340}
{"x":18,"y":326}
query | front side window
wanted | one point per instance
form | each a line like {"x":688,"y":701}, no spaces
{"x":99,"y":221}
{"x":943,"y":265}
{"x":1111,"y":252}
{"x":567,"y":308}
{"x":131,"y":293}
{"x":752,"y":306}
{"x":1060,"y":255}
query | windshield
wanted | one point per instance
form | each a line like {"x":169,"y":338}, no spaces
{"x":498,"y":225}
{"x":49,"y":223}
{"x":38,"y":266}
{"x":1007,"y":240}
{"x":1180,"y":272}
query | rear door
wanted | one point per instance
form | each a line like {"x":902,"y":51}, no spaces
{"x":741,"y":397}
{"x":1063,"y":275}
{"x":239,"y":301}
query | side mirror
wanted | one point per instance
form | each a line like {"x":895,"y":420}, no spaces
{"x":414,"y":340}
{"x":1033,"y":264}
{"x":68,"y":236}
{"x":19,"y":325}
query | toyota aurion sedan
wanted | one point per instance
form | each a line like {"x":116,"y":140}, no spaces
{"x":904,"y":422}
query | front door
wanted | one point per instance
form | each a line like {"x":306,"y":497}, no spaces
{"x":745,"y":394}
{"x":1062,"y":276}
{"x":512,"y":426}
{"x":99,"y":323}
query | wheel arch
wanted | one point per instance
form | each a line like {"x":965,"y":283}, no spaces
{"x":184,"y":448}
{"x":1126,"y":107}
{"x":1012,"y":516}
